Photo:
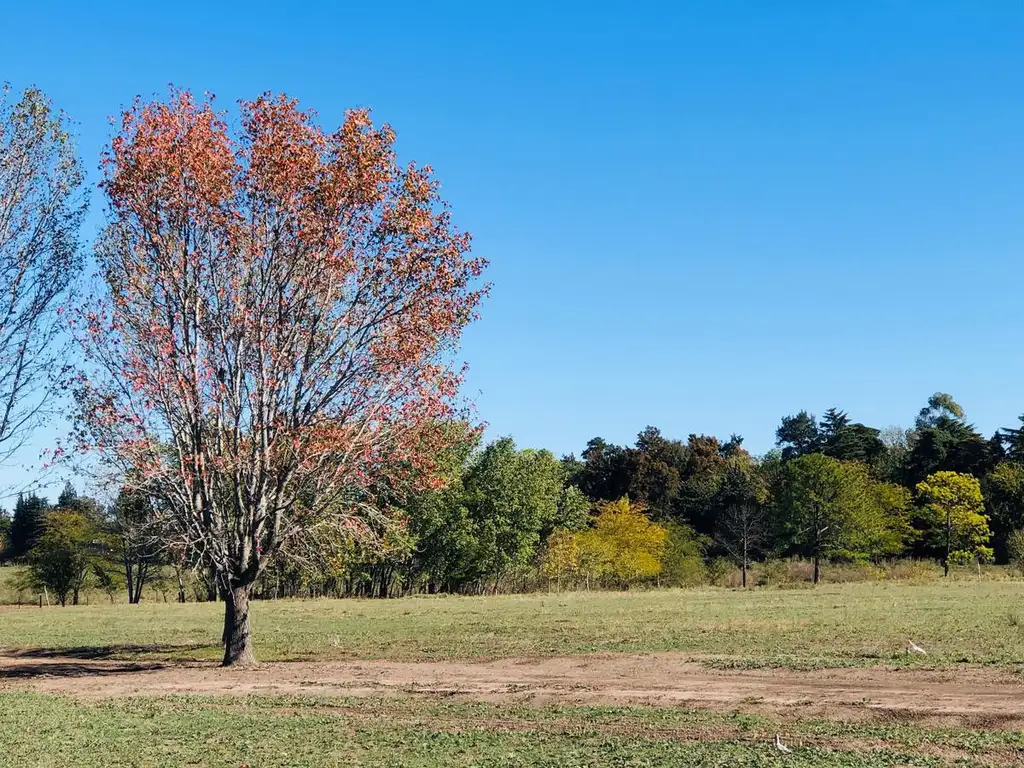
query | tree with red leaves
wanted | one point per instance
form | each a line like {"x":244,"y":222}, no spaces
{"x":269,"y":355}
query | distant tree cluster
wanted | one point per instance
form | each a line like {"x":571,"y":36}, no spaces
{"x":664,"y":510}
{"x":76,"y":544}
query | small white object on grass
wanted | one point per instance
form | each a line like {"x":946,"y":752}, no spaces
{"x":782,"y":747}
{"x":913,"y":647}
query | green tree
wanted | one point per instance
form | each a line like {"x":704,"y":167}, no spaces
{"x":1015,"y":549}
{"x":134,"y":539}
{"x":701,"y":475}
{"x":941,"y":408}
{"x":71,"y":546}
{"x":26,"y":525}
{"x":798,"y":436}
{"x":573,"y":509}
{"x":1003,"y":489}
{"x":944,"y":441}
{"x":892,"y":461}
{"x":828,"y":508}
{"x":682,"y":563}
{"x":895,"y":504}
{"x":954,"y":511}
{"x":511,"y":497}
{"x":603,"y":473}
{"x":656,"y":468}
{"x":439,"y":522}
{"x":1012,"y":439}
{"x":847,"y":441}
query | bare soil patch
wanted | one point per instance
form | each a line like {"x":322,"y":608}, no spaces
{"x":976,"y":697}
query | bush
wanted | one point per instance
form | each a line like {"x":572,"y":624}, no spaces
{"x":682,"y":565}
{"x":719,"y":571}
{"x":1015,"y":549}
{"x":770,"y":572}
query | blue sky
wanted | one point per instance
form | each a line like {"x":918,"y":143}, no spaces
{"x":700,"y":215}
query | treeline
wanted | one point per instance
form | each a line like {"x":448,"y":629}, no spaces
{"x":666,"y":510}
{"x":662,"y":511}
{"x":78,"y":545}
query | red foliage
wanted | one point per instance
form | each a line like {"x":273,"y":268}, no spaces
{"x":275,"y":337}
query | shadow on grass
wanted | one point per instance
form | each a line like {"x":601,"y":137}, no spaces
{"x":95,"y":660}
{"x":69,"y":669}
{"x":115,"y":652}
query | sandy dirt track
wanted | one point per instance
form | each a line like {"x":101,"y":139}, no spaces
{"x":972,"y":696}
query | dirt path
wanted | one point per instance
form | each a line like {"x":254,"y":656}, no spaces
{"x":972,"y":696}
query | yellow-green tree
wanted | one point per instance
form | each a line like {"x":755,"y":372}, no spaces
{"x":621,"y":547}
{"x":955,"y":513}
{"x":561,"y":555}
{"x":72,"y":544}
{"x":634,"y":544}
{"x":895,"y":504}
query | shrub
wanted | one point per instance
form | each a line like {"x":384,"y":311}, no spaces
{"x":1015,"y":549}
{"x":682,"y":565}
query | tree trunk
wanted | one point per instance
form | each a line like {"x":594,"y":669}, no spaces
{"x":212,"y":585}
{"x":949,"y":536}
{"x":129,"y":580}
{"x":816,"y":567}
{"x":743,"y":571}
{"x":237,"y":639}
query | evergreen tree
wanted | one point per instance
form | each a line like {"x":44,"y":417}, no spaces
{"x":26,"y":525}
{"x":798,"y":436}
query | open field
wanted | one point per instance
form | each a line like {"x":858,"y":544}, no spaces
{"x":265,"y":731}
{"x":309,"y":731}
{"x":700,"y":677}
{"x":834,"y":625}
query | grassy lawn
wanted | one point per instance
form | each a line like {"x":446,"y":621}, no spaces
{"x":265,"y":731}
{"x":834,"y":625}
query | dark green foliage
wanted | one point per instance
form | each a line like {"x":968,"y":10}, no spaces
{"x":848,"y":441}
{"x":604,"y":474}
{"x":1011,"y":441}
{"x":656,"y":471}
{"x":798,"y":436}
{"x":26,"y":525}
{"x":947,"y":444}
{"x":941,"y":407}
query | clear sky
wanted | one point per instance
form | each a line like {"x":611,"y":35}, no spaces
{"x":700,"y":215}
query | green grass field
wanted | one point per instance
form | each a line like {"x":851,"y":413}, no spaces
{"x":270,"y":731}
{"x":834,"y":625}
{"x":858,"y":624}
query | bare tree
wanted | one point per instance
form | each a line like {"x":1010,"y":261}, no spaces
{"x":132,"y":520}
{"x":742,"y":527}
{"x":742,"y":531}
{"x":41,"y":208}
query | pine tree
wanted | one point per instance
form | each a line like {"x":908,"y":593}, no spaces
{"x":26,"y":525}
